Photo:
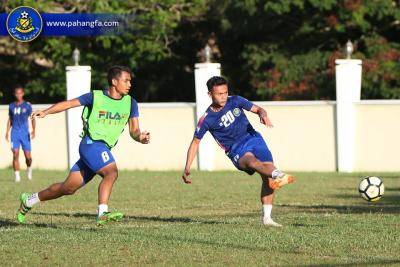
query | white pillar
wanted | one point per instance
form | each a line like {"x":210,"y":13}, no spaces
{"x":78,"y":83}
{"x":348,"y":93}
{"x":204,"y":71}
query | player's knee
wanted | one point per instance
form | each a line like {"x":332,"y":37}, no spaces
{"x":67,"y":190}
{"x":253,"y":164}
{"x":28,"y":160}
{"x":267,"y":168}
{"x":266,"y":188}
{"x":111,"y":174}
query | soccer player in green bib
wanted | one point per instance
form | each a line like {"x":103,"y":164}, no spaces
{"x":104,"y":118}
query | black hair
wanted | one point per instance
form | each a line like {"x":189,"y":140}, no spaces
{"x":115,"y":72}
{"x":215,"y":81}
{"x":17,"y":86}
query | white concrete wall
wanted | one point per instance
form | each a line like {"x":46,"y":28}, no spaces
{"x":303,"y":137}
{"x":49,"y":148}
{"x":378,"y":136}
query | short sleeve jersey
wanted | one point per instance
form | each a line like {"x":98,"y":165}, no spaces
{"x":19,"y":115}
{"x":229,"y":125}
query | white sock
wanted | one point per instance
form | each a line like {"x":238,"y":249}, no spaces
{"x":17,"y":176}
{"x":29,"y":172}
{"x":32,"y":200}
{"x":102,"y":208}
{"x":267,"y":209}
{"x":276,"y":173}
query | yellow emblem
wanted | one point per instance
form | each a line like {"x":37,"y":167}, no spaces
{"x":24,"y":23}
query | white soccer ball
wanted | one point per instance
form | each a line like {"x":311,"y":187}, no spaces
{"x":371,"y":188}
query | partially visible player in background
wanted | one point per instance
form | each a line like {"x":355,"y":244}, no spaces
{"x":18,"y":121}
{"x":104,"y":118}
{"x":227,"y":123}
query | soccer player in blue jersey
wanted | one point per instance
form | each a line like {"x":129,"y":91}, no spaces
{"x":105,"y":115}
{"x":18,"y":121}
{"x":227,"y":123}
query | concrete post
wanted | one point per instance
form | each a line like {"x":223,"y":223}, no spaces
{"x":204,"y":71}
{"x":78,"y":83}
{"x":348,"y":92}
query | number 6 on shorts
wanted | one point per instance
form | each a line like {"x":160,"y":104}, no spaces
{"x":105,"y":156}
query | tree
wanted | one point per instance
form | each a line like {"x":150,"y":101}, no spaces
{"x":286,"y":49}
{"x":269,"y":50}
{"x":144,"y":44}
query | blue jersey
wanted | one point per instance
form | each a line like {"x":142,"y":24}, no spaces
{"x":87,"y":100}
{"x":94,"y":155}
{"x":19,"y":115}
{"x":229,"y":125}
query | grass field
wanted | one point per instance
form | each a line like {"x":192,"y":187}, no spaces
{"x":214,"y":221}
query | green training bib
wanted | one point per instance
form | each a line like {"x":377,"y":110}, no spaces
{"x":106,"y":119}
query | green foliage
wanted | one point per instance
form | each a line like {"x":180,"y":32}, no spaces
{"x":286,"y":49}
{"x":278,"y":50}
{"x":145,"y":43}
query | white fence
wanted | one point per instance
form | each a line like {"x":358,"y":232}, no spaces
{"x":303,"y":139}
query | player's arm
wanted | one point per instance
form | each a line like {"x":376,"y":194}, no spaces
{"x":262,"y":114}
{"x":136,"y":134}
{"x":8,"y":128}
{"x":56,"y":108}
{"x":191,"y":154}
{"x":33,"y":122}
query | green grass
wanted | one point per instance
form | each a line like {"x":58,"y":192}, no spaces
{"x":214,"y":221}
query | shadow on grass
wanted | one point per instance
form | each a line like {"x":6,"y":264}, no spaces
{"x":393,"y":189}
{"x":388,"y":204}
{"x":386,"y":201}
{"x":367,"y":263}
{"x":12,"y":223}
{"x":8,"y":223}
{"x":307,"y":225}
{"x":344,"y":209}
{"x":200,"y":241}
{"x":173,"y":219}
{"x":135,"y":218}
{"x":65,"y":214}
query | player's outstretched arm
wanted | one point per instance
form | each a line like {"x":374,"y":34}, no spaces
{"x":136,"y":134}
{"x":262,"y":114}
{"x":191,"y":154}
{"x":59,"y":107}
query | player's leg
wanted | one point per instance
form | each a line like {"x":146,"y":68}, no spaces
{"x":26,"y":147}
{"x":98,"y":157}
{"x":78,"y":177}
{"x":73,"y":182}
{"x":15,"y":145}
{"x":276,"y":178}
{"x":267,"y":198}
{"x":249,"y":162}
{"x":256,"y":157}
{"x":15,"y":164}
{"x":109,"y":173}
{"x":28,"y":161}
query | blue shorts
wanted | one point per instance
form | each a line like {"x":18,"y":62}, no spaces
{"x":20,"y":139}
{"x":94,"y":155}
{"x":253,"y":143}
